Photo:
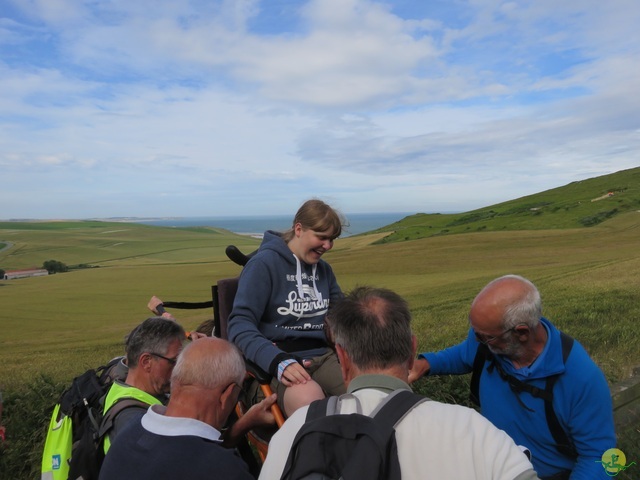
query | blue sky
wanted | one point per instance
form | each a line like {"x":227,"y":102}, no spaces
{"x":206,"y":108}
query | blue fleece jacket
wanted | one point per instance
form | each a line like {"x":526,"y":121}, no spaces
{"x":281,"y":300}
{"x":581,"y":401}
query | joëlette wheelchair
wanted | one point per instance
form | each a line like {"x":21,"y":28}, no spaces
{"x":223,"y":294}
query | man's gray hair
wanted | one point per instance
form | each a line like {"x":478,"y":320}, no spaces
{"x":527,"y":309}
{"x":219,"y":367}
{"x":373,"y":325}
{"x":154,"y":335}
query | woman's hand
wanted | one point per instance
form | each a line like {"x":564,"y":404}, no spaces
{"x":294,"y":374}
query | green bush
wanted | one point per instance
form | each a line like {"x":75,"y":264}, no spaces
{"x":598,"y":218}
{"x":54,"y":266}
{"x":26,"y":416}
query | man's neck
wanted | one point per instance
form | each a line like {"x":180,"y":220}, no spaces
{"x":137,"y":381}
{"x":193,"y":406}
{"x":400,"y":372}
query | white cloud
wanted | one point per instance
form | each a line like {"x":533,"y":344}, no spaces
{"x":243,"y":105}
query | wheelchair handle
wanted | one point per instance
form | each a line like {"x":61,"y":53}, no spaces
{"x":236,"y":256}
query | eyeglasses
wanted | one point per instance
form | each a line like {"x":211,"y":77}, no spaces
{"x":172,"y":361}
{"x":486,"y":339}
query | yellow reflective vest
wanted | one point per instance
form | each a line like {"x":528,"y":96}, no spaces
{"x":117,"y":392}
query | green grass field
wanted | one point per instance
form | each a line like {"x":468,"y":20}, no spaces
{"x":55,"y":327}
{"x":58,"y":324}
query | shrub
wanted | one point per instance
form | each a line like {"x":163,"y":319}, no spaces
{"x":54,"y":266}
{"x":598,"y":218}
{"x":26,"y":415}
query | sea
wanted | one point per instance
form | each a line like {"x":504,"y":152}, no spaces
{"x":257,"y":225}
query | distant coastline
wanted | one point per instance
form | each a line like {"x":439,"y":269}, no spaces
{"x":257,"y":225}
{"x":254,"y":225}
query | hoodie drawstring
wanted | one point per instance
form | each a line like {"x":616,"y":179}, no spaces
{"x":299,"y":279}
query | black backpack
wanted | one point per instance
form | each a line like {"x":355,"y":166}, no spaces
{"x":74,"y":446}
{"x":562,"y":441}
{"x":353,"y":446}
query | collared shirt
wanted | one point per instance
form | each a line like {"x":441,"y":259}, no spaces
{"x":384,"y":383}
{"x":155,"y":421}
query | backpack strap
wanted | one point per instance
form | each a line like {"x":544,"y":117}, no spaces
{"x":482,"y":355}
{"x":329,"y":406}
{"x":567,"y":345}
{"x":563,"y":443}
{"x":112,"y":413}
{"x":389,"y":412}
{"x":392,"y":410}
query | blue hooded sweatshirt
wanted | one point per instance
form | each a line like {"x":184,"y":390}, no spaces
{"x":581,"y":401}
{"x":279,"y":309}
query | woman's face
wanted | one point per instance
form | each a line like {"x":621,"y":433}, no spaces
{"x":309,"y":245}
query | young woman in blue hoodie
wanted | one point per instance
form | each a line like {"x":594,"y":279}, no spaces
{"x":283,"y":296}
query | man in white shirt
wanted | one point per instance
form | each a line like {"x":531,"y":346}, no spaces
{"x":372,"y":334}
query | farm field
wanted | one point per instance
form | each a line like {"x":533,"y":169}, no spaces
{"x":56,"y":327}
{"x":58,"y":324}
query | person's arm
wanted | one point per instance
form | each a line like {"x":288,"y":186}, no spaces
{"x":493,"y":449}
{"x":252,"y":298}
{"x":259,"y":415}
{"x":420,"y":368}
{"x":589,"y":415}
{"x":156,"y":306}
{"x":280,"y":445}
{"x":454,"y":360}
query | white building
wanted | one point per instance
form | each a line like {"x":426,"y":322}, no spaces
{"x":30,"y":272}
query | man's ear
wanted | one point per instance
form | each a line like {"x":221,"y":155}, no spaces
{"x":523,"y":332}
{"x":345,"y":362}
{"x":226,"y":395}
{"x":414,"y":349}
{"x":144,"y":361}
{"x":226,"y":401}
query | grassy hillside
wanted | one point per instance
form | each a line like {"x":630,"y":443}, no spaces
{"x":109,"y":244}
{"x":61,"y":323}
{"x":580,"y":204}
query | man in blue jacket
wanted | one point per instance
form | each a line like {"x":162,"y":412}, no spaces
{"x":532,"y":381}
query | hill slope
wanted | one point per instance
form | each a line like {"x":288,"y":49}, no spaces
{"x":579,"y":204}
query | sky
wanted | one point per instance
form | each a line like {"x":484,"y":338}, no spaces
{"x":155,"y":108}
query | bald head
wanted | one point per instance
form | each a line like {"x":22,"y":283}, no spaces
{"x":506,"y":302}
{"x":208,"y":362}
